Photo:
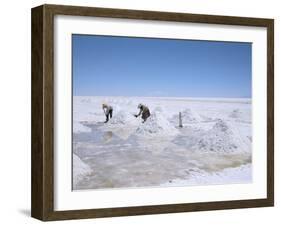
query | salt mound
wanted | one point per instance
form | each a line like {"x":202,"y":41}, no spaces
{"x":236,"y":113}
{"x":188,"y":116}
{"x":220,"y":138}
{"x":122,"y":124}
{"x":156,"y":124}
{"x":221,"y":126}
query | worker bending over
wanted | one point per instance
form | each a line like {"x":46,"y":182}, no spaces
{"x":144,"y":112}
{"x":108,"y":110}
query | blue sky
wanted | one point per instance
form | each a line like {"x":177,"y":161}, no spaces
{"x":121,"y":66}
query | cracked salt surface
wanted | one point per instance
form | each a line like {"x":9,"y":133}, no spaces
{"x":213,"y":147}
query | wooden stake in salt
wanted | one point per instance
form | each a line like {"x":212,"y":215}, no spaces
{"x":180,"y":120}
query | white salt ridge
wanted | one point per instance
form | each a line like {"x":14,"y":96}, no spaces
{"x":80,"y":169}
{"x":189,"y":116}
{"x":156,"y":124}
{"x":220,"y":138}
{"x":122,"y":117}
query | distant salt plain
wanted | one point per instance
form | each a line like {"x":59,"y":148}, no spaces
{"x":213,"y":146}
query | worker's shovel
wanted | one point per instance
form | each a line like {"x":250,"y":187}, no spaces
{"x":134,"y":115}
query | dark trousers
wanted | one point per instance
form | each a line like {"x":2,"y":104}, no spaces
{"x":109,"y":115}
{"x":145,"y":115}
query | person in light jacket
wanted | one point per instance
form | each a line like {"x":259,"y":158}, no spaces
{"x":108,"y":111}
{"x":144,"y":112}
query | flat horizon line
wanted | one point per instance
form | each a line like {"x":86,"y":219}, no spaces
{"x":179,"y":97}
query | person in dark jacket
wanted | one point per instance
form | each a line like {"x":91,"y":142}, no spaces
{"x":144,"y":112}
{"x":108,"y":111}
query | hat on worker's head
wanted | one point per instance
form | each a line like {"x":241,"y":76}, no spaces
{"x":140,"y":105}
{"x":104,"y":105}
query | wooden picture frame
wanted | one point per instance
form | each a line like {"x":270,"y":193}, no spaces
{"x":42,"y":203}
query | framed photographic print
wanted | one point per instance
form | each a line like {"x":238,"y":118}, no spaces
{"x":141,"y":112}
